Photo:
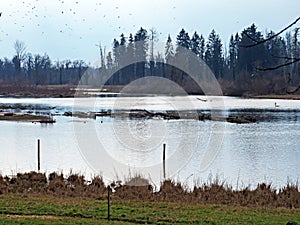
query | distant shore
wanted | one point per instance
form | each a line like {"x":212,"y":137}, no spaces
{"x":70,"y":91}
{"x":37,"y":91}
{"x":288,"y":97}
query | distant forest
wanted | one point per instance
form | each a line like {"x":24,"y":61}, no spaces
{"x":241,"y":67}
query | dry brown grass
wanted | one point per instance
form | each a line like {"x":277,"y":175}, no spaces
{"x":139,"y":189}
{"x":37,"y":90}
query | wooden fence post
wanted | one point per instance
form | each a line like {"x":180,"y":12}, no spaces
{"x":38,"y":155}
{"x":164,"y":160}
{"x":108,"y":202}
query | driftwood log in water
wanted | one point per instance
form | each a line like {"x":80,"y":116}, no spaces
{"x":242,"y":119}
{"x":167,"y":115}
{"x":6,"y":106}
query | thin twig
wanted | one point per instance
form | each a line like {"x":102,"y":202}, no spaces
{"x":279,"y":66}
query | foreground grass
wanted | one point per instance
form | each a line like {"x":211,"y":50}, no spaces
{"x":46,"y":209}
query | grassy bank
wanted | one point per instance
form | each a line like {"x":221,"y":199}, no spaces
{"x":48,"y":209}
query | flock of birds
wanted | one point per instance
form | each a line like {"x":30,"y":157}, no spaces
{"x":35,"y":13}
{"x":36,"y":17}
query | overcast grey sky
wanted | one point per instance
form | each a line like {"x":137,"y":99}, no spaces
{"x":70,"y":29}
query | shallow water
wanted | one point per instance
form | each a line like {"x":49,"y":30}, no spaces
{"x":241,"y":154}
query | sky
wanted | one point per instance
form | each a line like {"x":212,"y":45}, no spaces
{"x":72,"y":29}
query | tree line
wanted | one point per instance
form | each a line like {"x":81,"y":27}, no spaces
{"x":28,"y":69}
{"x":240,"y":65}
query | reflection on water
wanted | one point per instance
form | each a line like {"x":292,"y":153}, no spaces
{"x":249,"y":153}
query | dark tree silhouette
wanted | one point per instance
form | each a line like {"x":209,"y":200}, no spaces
{"x":233,"y":55}
{"x":141,"y":47}
{"x":257,"y":42}
{"x":214,"y":55}
{"x":274,"y":40}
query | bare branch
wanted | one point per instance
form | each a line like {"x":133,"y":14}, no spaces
{"x":251,"y":38}
{"x":283,"y":57}
{"x":279,"y":66}
{"x":257,"y":42}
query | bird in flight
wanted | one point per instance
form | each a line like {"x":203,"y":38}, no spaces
{"x":203,"y":100}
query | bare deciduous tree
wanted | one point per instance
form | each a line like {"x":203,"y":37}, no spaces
{"x":18,"y":59}
{"x":20,"y":49}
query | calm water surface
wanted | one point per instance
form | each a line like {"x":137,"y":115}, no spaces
{"x":241,"y":154}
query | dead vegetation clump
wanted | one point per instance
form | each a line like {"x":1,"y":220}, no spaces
{"x":28,"y":182}
{"x":75,"y":185}
{"x":3,"y":185}
{"x":212,"y":193}
{"x":172,"y":192}
{"x":289,"y":196}
{"x":264,"y":195}
{"x":56,"y":184}
{"x":136,"y":188}
{"x":96,"y":188}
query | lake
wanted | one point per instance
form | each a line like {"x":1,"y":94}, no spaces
{"x":196,"y":151}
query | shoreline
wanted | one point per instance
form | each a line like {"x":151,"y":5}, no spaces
{"x":286,"y":97}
